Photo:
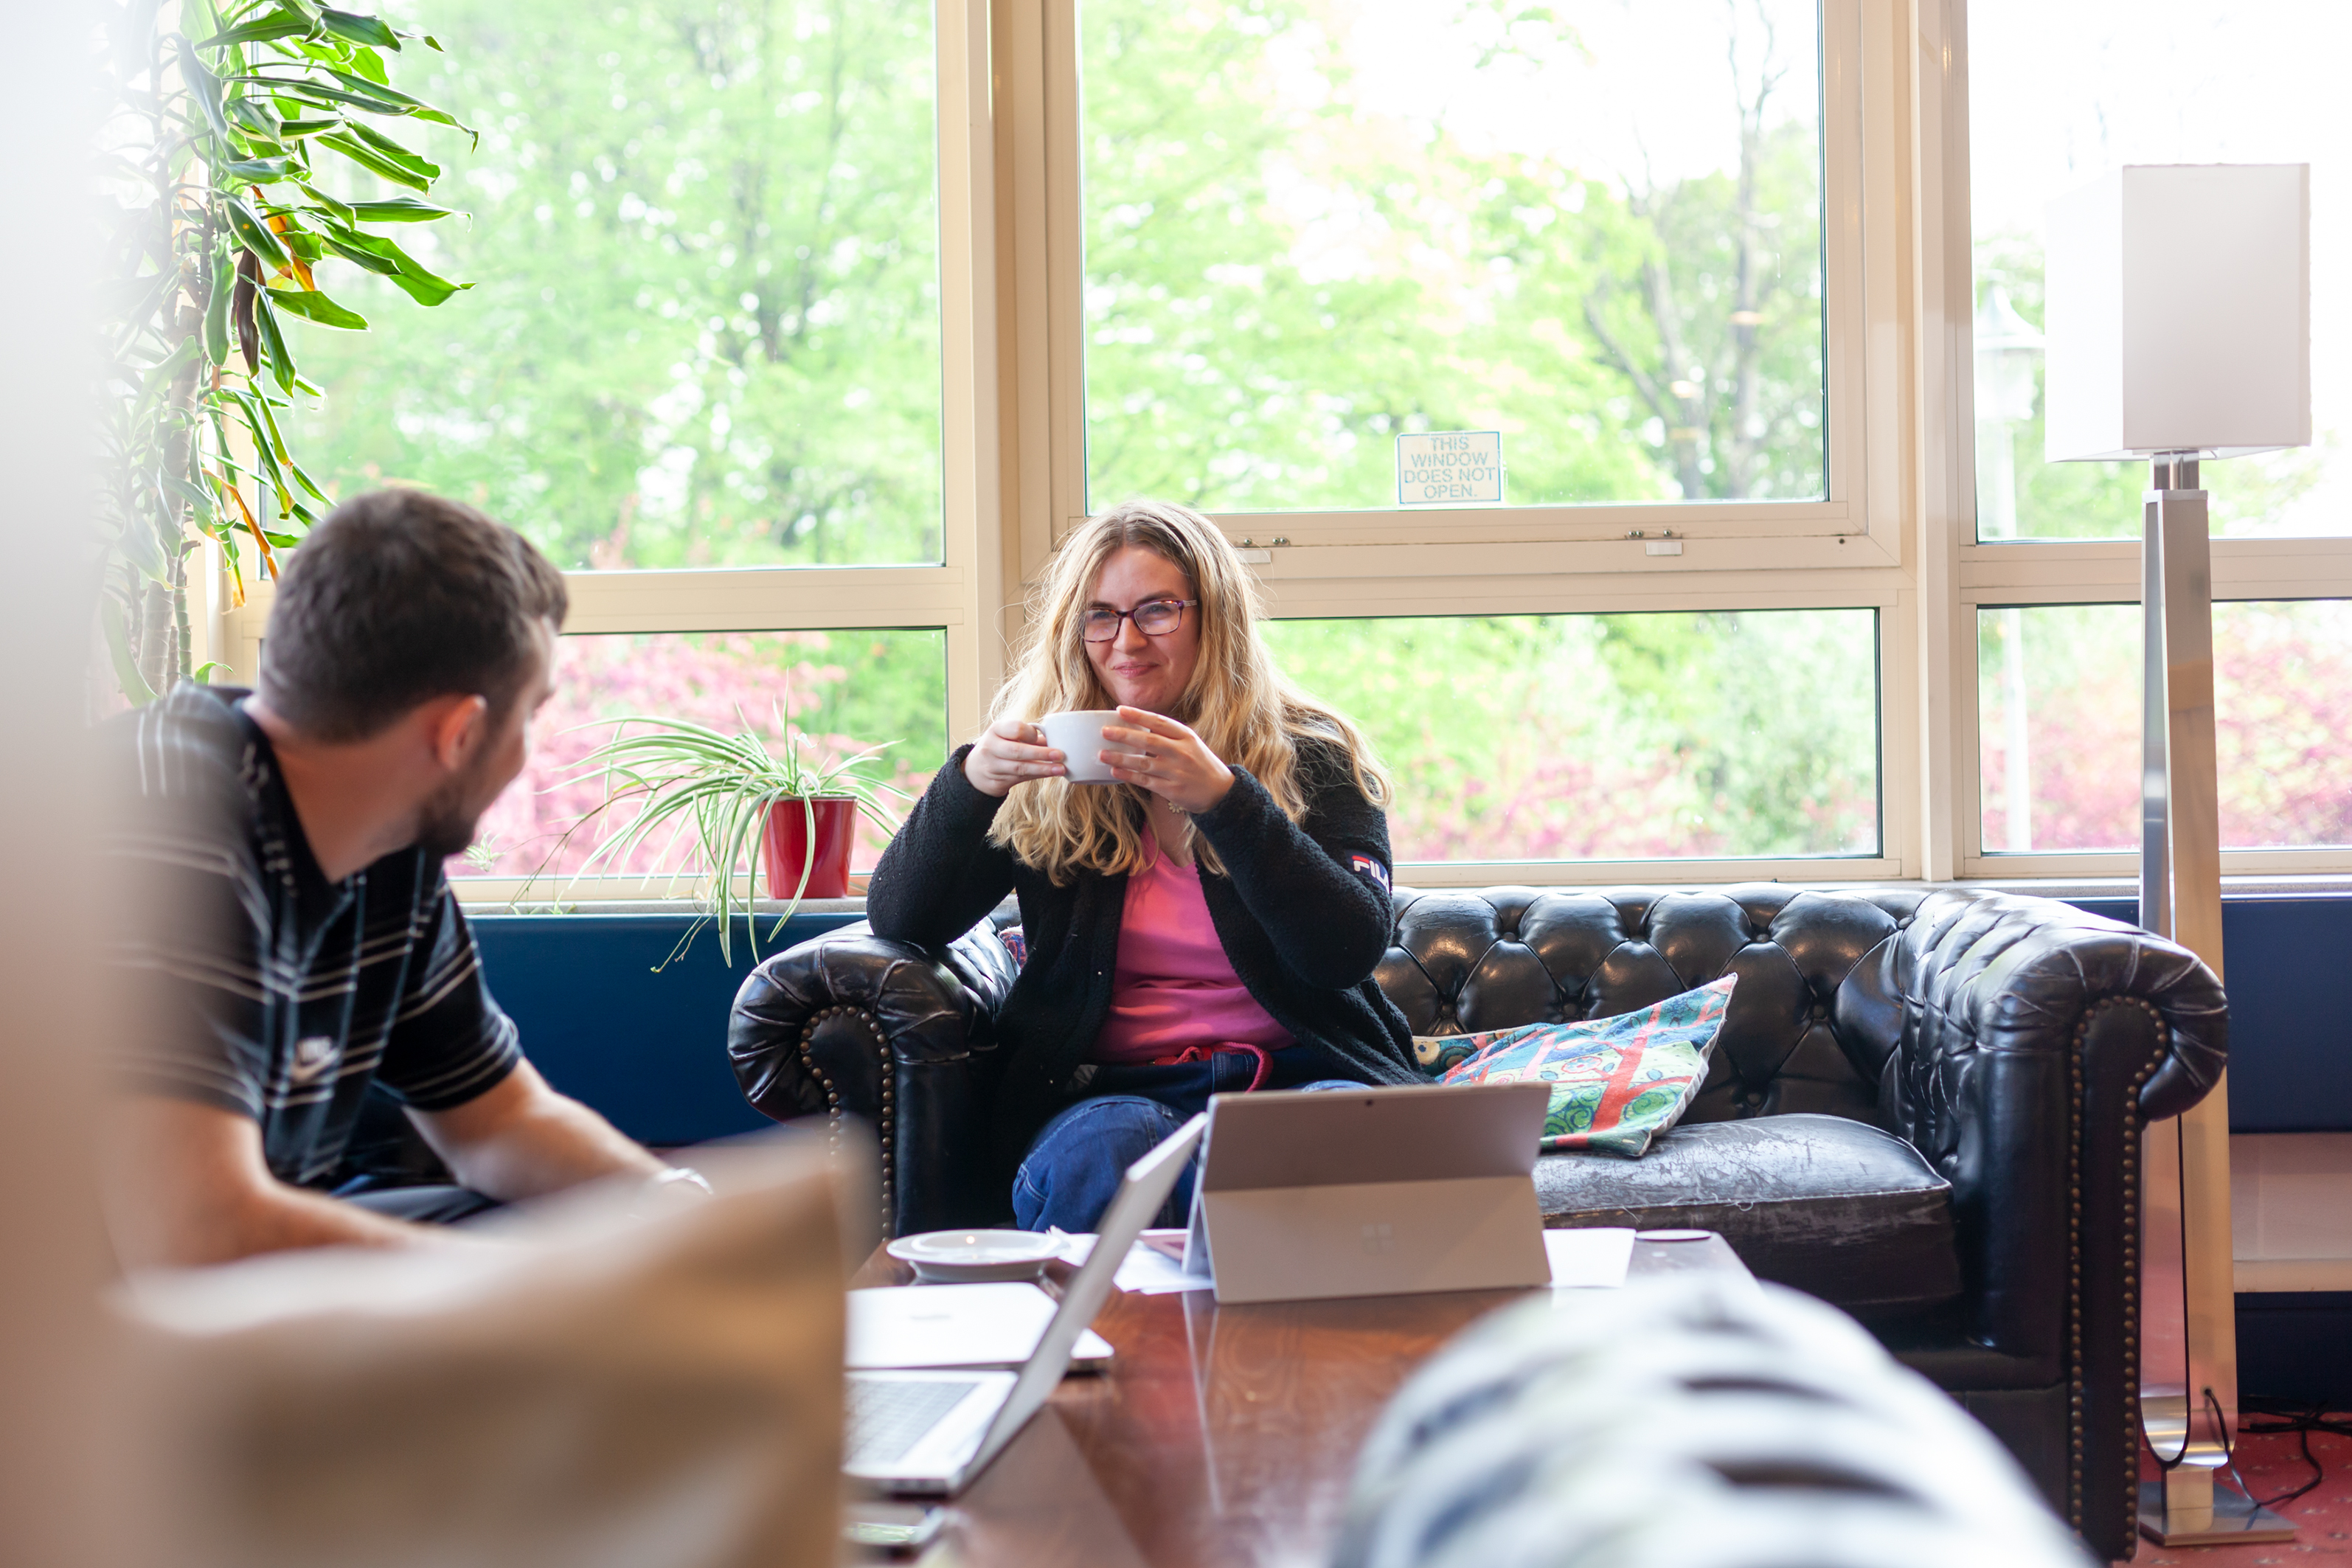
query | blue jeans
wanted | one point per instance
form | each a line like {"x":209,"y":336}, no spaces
{"x":1074,"y":1167}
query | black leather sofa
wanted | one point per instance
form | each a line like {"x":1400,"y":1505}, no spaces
{"x":1924,"y":1106}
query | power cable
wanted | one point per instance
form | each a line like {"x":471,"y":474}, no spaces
{"x":2303,"y":1420}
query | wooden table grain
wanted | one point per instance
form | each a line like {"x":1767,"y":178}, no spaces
{"x":1222,"y":1435}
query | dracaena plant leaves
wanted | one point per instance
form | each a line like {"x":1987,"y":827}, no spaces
{"x":248,"y":151}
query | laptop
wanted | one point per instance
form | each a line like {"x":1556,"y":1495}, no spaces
{"x":1310,"y":1195}
{"x":928,"y":1434}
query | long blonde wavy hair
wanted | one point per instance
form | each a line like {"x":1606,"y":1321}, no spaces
{"x":1249,"y":713}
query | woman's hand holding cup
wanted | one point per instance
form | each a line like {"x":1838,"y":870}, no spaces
{"x":1144,"y":748}
{"x":1008,"y":752}
{"x":1164,"y":756}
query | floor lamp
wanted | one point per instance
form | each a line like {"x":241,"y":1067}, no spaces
{"x":2179,"y":329}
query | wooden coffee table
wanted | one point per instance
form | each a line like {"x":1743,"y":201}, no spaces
{"x":1219,"y":1437}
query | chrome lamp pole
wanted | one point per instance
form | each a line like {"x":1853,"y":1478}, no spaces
{"x":2178,"y":329}
{"x":2188,"y":1343}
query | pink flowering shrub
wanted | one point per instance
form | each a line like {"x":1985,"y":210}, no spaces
{"x":1564,"y":797}
{"x":2283,"y":720}
{"x":1550,"y":803}
{"x":1561,"y":738}
{"x":729,"y":682}
{"x":2283,"y":708}
{"x":1549,"y":798}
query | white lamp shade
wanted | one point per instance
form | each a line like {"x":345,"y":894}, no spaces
{"x":2178,"y":313}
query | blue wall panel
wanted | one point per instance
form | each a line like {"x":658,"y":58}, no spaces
{"x":2297,"y":1347}
{"x":648,"y":1050}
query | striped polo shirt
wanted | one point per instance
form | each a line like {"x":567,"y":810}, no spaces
{"x":264,"y":988}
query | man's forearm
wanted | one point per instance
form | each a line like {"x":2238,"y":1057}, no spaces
{"x":274,"y":1218}
{"x":549,"y":1144}
{"x":186,"y":1185}
{"x":295,"y":1216}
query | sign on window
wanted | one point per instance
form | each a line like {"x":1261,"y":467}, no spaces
{"x":1450,"y":467}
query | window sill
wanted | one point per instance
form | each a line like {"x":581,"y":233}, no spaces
{"x":492,"y":908}
{"x":484,"y":904}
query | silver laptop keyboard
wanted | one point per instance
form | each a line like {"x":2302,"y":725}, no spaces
{"x":889,"y":1416}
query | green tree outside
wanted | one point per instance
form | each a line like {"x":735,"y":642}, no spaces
{"x":1283,"y":276}
{"x":1611,"y":737}
{"x":704,"y":330}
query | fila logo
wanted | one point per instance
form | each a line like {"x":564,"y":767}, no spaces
{"x":1365,"y":866}
{"x":311,"y":1056}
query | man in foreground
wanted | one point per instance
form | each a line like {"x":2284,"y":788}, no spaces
{"x":292,"y":940}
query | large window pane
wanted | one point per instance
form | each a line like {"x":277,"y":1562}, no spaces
{"x":2058,"y":727}
{"x":2061,"y":94}
{"x":2058,"y":695}
{"x":704,"y":323}
{"x":1611,"y":737}
{"x":2284,"y":703}
{"x":844,"y":689}
{"x":1313,"y":226}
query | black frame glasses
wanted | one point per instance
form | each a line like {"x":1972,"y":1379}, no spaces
{"x":1105,"y":621}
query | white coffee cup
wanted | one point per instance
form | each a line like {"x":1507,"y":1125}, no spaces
{"x":1078,"y":737}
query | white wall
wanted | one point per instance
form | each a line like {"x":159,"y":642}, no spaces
{"x":51,"y":1458}
{"x":2290,"y":1210}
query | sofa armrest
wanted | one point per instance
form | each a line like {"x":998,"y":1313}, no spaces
{"x":851,"y":1024}
{"x":2032,"y":1045}
{"x":2004,"y":975}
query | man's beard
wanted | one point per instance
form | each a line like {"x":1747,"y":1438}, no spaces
{"x":447,"y":824}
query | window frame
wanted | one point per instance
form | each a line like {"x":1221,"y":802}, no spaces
{"x":1847,"y":552}
{"x":956,"y":595}
{"x":1863,"y":455}
{"x":1897,"y":534}
{"x":2029,"y":572}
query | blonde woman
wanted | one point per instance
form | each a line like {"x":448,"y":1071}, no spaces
{"x":1207,"y":924}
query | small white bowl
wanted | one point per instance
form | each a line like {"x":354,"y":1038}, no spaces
{"x":1077,"y":735}
{"x":969,"y":1255}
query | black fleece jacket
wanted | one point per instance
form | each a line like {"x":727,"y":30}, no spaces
{"x":1301,"y":925}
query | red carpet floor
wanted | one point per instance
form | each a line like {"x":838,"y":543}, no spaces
{"x":2272,"y":1464}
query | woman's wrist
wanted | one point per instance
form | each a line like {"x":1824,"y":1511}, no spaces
{"x":968,"y":798}
{"x":1219,"y":790}
{"x":1231,"y":804}
{"x":963,"y":767}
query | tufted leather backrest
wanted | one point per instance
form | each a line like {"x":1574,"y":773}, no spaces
{"x":1797,"y":1038}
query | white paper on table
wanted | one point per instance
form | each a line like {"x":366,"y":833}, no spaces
{"x":1145,"y":1269}
{"x":1153,"y":1272}
{"x":1582,"y":1258}
{"x":1588,"y":1259}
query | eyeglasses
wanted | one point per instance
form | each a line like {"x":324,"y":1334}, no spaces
{"x":1155,"y":618}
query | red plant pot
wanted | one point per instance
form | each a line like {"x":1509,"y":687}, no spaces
{"x":785,"y":846}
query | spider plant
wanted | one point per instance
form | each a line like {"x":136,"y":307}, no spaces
{"x":692,"y":779}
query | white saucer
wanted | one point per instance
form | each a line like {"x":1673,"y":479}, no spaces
{"x":966,"y":1256}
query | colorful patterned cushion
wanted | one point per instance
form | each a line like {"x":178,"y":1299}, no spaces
{"x":1616,"y":1083}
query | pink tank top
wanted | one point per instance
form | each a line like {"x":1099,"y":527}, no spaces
{"x":1173,"y":988}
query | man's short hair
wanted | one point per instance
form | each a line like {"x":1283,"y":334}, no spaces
{"x":398,"y":597}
